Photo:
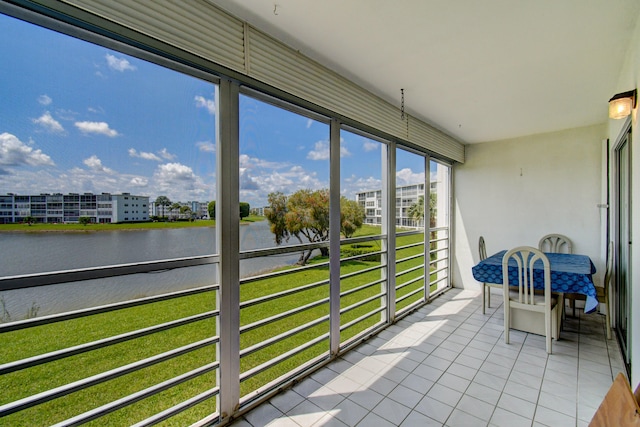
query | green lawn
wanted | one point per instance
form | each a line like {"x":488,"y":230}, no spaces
{"x":42,"y":339}
{"x":41,"y":227}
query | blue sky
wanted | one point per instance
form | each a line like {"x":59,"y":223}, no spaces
{"x":77,"y":117}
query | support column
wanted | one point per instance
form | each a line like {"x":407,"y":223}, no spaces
{"x":227,"y":235}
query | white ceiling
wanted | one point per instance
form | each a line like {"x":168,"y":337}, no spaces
{"x":478,"y":70}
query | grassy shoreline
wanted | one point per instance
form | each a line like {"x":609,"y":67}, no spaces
{"x":122,"y":226}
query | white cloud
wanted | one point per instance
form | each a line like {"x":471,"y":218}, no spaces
{"x":370,"y":145}
{"x":209,"y":104}
{"x":14,"y":152}
{"x":259,"y":177}
{"x":180,"y":183}
{"x":95,"y":164}
{"x":100,"y":128}
{"x":166,"y":155}
{"x":50,"y":124}
{"x":171,"y":172}
{"x":321,"y":151}
{"x":143,"y":155}
{"x":44,"y":100}
{"x":139,"y":181}
{"x":118,"y":64}
{"x":407,"y":177}
{"x":309,"y":123}
{"x":206,"y":146}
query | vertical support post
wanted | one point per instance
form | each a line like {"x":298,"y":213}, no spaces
{"x":427,"y":227}
{"x":227,"y":235}
{"x":334,"y":237}
{"x":389,"y":226}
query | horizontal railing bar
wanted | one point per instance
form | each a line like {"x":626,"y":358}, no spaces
{"x":361,"y":318}
{"x":364,"y":270}
{"x":357,"y":257}
{"x":289,"y":333}
{"x":438,"y":270}
{"x":83,"y":348}
{"x":438,"y":280}
{"x":438,"y":292}
{"x":273,"y":274}
{"x":438,"y":260}
{"x":67,"y":389}
{"x":362,"y":302}
{"x":362,"y":239}
{"x":43,"y":320}
{"x":89,"y":273}
{"x":439,"y":239}
{"x":136,"y":397}
{"x":410,"y":307}
{"x":283,"y":382}
{"x":279,"y":250}
{"x":280,"y":316}
{"x":263,"y":367}
{"x":410,"y":245}
{"x":409,"y":258}
{"x":409,"y":270}
{"x":409,"y":233}
{"x":361,"y":287}
{"x":180,"y":407}
{"x":281,"y":294}
{"x":410,"y":294}
{"x":410,"y":282}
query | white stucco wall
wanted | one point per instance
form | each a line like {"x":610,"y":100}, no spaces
{"x":629,"y":79}
{"x":514,"y":191}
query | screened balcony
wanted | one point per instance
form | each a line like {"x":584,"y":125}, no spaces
{"x":378,"y":326}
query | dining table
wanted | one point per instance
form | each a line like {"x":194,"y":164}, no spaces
{"x":570,"y":273}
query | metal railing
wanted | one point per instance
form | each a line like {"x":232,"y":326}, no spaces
{"x":284,"y":326}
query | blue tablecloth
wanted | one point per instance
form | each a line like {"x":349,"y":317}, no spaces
{"x":570,"y":273}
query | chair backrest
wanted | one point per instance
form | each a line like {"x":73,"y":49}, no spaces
{"x":525,"y":257}
{"x":482,"y":248}
{"x":556,"y":243}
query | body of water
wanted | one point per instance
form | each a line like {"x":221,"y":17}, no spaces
{"x":25,"y":253}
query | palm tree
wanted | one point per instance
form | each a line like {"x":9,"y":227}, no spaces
{"x":163,"y":201}
{"x":416,"y":210}
{"x":174,"y":207}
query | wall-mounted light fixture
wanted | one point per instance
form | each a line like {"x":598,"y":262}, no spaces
{"x":621,"y":104}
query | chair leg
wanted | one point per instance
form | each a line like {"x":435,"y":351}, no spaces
{"x":484,"y":295}
{"x":506,"y":323}
{"x":559,"y":316}
{"x":488,"y":295}
{"x":547,"y":327}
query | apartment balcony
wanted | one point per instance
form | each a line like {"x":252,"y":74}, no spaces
{"x":447,"y":364}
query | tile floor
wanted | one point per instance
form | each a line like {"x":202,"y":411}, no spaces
{"x":447,"y":364}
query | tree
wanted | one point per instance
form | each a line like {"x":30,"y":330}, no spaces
{"x":29,"y":220}
{"x":351,"y":216}
{"x":164,"y":202}
{"x":416,"y":210}
{"x":185,"y":211}
{"x":211,"y":207}
{"x":305,"y":216}
{"x":174,"y":207}
{"x":84,"y":220}
{"x":245,"y":209}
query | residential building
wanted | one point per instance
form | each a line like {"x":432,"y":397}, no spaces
{"x":68,"y":208}
{"x":406,"y":196}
